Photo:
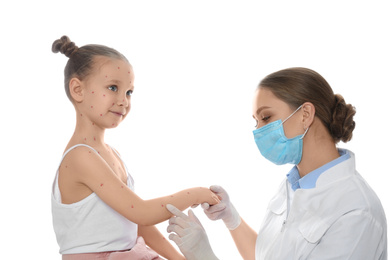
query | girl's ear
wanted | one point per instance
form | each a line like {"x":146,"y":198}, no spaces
{"x":309,"y":112}
{"x":76,"y":90}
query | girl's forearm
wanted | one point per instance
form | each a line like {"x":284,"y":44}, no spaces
{"x":153,"y":211}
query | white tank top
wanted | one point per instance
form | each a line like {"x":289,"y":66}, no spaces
{"x":90,"y":225}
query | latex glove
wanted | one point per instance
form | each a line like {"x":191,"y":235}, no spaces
{"x":223,"y":210}
{"x":190,"y":235}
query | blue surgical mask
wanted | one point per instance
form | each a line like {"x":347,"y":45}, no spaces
{"x":275,"y":146}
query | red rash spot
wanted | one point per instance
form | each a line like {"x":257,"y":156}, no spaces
{"x":171,"y":196}
{"x":93,"y":123}
{"x":106,"y":76}
{"x":132,"y":206}
{"x":91,"y":106}
{"x":81,"y":114}
{"x":93,"y":92}
{"x":85,"y":139}
{"x":118,"y":68}
{"x":188,"y":192}
{"x":101,"y":114}
{"x":122,"y":186}
{"x":113,"y":103}
{"x":104,"y":95}
{"x":101,"y":185}
{"x":162,"y":205}
{"x":94,"y":138}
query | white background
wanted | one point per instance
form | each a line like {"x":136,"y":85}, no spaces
{"x":197,"y":64}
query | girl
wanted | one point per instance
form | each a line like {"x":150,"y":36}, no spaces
{"x":96,"y":213}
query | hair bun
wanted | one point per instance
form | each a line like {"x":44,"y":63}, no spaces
{"x":342,"y":124}
{"x":65,"y":46}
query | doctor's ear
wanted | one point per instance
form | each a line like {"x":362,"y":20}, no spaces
{"x":76,"y":89}
{"x":309,"y":112}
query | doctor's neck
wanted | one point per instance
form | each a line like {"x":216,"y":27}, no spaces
{"x":319,"y":149}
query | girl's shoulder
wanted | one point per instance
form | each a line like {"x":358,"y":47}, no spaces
{"x":78,"y":155}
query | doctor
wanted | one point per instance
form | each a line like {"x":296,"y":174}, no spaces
{"x":323,"y":209}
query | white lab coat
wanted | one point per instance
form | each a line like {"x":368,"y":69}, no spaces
{"x":341,"y":218}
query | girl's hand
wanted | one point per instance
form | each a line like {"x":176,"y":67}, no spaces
{"x":205,"y":195}
{"x":224,"y":210}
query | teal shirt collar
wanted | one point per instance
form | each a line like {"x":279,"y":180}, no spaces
{"x":309,"y":180}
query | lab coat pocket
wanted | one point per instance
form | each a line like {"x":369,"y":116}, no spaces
{"x":313,"y":227}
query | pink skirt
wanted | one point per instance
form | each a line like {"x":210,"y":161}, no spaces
{"x":139,"y":252}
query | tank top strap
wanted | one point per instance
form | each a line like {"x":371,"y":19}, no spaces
{"x":75,"y":146}
{"x":115,"y":151}
{"x":130,"y":180}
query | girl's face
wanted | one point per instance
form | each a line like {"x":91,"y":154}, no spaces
{"x":268,"y":108}
{"x":108,"y":92}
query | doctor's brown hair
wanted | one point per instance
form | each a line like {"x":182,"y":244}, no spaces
{"x":81,"y":60}
{"x":296,"y":86}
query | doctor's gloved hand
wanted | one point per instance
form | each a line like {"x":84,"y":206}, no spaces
{"x":223,"y":210}
{"x":190,"y":235}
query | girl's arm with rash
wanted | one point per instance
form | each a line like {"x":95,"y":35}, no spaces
{"x":100,"y":178}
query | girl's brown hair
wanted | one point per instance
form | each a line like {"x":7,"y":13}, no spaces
{"x":81,"y":60}
{"x":296,"y":86}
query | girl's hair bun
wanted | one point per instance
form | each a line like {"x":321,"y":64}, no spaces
{"x":342,"y":124}
{"x":65,"y":46}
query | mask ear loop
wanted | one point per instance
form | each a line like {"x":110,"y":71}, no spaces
{"x":307,"y":129}
{"x":292,"y":114}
